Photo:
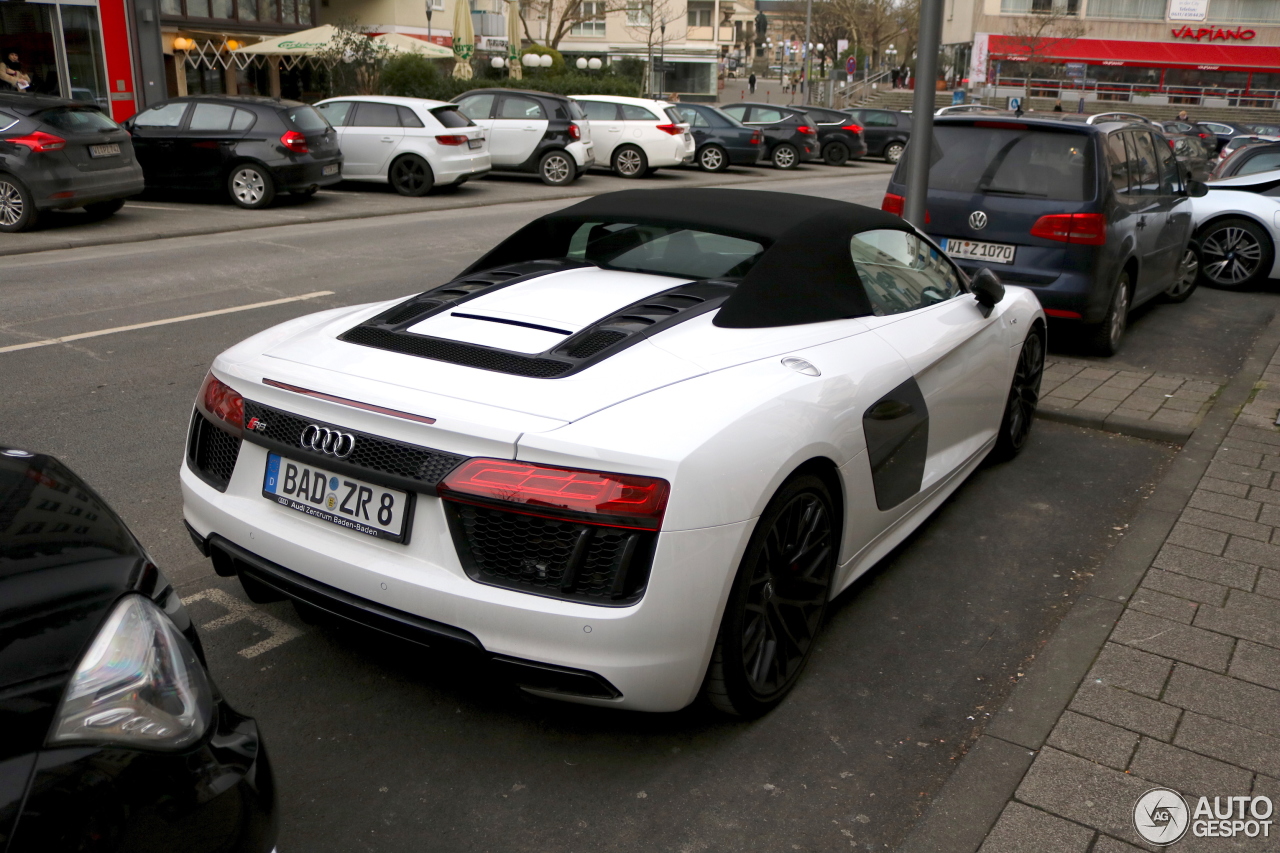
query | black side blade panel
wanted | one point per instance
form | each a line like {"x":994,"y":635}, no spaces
{"x":897,"y":431}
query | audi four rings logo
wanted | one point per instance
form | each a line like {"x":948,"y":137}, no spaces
{"x":977,"y":220}
{"x":328,"y":441}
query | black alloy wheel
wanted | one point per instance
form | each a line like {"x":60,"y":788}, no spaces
{"x":713,"y":159}
{"x":893,"y":152}
{"x":785,"y":156}
{"x":1105,"y":337}
{"x":835,"y":153}
{"x":1186,"y":277}
{"x":556,"y":168}
{"x":1024,"y":396}
{"x":630,"y":162}
{"x":103,"y":209}
{"x":17,"y":205}
{"x":778,"y":600}
{"x":1235,"y":254}
{"x":410,"y":175}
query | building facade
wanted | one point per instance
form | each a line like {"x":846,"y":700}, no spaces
{"x":1194,"y":52}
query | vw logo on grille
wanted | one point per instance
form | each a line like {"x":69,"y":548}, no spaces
{"x":327,"y":441}
{"x":977,"y":220}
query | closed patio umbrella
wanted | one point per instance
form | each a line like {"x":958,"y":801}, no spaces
{"x":464,"y":40}
{"x":513,"y":40}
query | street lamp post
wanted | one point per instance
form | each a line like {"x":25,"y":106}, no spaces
{"x":926,"y":73}
{"x":662,"y":58}
{"x":808,"y":50}
{"x":428,"y":4}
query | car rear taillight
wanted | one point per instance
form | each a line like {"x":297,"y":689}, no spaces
{"x":1171,"y":142}
{"x":757,"y":138}
{"x":619,"y":500}
{"x":39,"y":141}
{"x":1084,"y":229}
{"x":804,"y":128}
{"x":575,"y":132}
{"x":294,"y":141}
{"x":451,"y":139}
{"x":852,"y":128}
{"x":220,"y":403}
{"x":673,"y":129}
{"x":896,"y":204}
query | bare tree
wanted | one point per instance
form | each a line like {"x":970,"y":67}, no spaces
{"x":354,"y":60}
{"x":559,"y":17}
{"x":653,"y":22}
{"x":1038,"y":36}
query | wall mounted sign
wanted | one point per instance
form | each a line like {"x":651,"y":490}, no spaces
{"x":1188,"y":10}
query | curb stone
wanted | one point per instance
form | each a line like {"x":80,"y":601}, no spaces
{"x":1117,"y":423}
{"x":986,"y":778}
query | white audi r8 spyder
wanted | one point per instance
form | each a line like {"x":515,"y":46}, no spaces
{"x":631,"y":453}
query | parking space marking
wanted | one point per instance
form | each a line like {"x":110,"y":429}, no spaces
{"x":47,"y":342}
{"x":243,"y":611}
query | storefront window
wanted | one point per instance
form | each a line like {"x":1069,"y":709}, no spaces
{"x":171,"y":7}
{"x":690,"y":77}
{"x":1244,"y":11}
{"x":83,"y":40}
{"x":1206,"y":79}
{"x":286,"y":12}
{"x":26,"y":45}
{"x":1140,"y":10}
{"x":248,"y":10}
{"x":223,"y":9}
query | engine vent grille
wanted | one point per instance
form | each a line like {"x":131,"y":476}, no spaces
{"x":552,"y":557}
{"x":212,"y":453}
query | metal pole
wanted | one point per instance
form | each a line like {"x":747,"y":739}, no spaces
{"x":808,"y":51}
{"x":926,"y":75}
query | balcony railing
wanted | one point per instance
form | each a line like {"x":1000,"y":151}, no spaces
{"x":1205,"y":96}
{"x":489,"y":23}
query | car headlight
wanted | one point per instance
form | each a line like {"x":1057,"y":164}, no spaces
{"x":140,"y":684}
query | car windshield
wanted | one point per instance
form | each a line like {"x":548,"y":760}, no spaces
{"x":77,"y":119}
{"x":307,"y":120}
{"x":665,"y":250}
{"x":1011,"y":159}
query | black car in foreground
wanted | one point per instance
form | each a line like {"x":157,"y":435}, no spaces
{"x":1094,"y":218}
{"x":790,"y":136}
{"x":115,"y":738}
{"x":722,"y":140}
{"x":250,"y":147}
{"x":839,"y":136}
{"x":57,"y":154}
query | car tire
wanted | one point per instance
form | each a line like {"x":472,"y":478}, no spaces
{"x":1024,"y":396}
{"x":556,"y":168}
{"x":713,"y":158}
{"x":307,"y":193}
{"x":17,"y":206}
{"x":1105,"y":337}
{"x":103,"y":209}
{"x":835,"y":154}
{"x":410,"y":175}
{"x":1235,"y":254}
{"x":630,"y":162}
{"x":250,"y":186}
{"x":785,"y":157}
{"x":893,"y":152}
{"x":776,"y":605}
{"x":1187,"y":278}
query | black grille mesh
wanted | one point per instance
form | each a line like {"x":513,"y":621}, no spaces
{"x":212,"y":452}
{"x":533,"y":554}
{"x":467,"y":355}
{"x":594,"y":343}
{"x":409,"y":461}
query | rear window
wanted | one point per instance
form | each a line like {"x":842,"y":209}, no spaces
{"x":664,"y":250}
{"x":76,"y":119}
{"x":452,"y":117}
{"x":1011,"y":161}
{"x":306,"y":119}
{"x":1263,"y":162}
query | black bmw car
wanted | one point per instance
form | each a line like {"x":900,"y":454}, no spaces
{"x":115,"y":737}
{"x":250,"y":147}
{"x":722,"y":140}
{"x":57,"y":154}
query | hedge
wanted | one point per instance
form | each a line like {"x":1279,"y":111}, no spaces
{"x":414,"y":76}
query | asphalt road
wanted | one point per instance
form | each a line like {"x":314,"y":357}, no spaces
{"x":379,"y":747}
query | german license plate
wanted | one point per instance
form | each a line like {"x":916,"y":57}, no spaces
{"x":996,"y":253}
{"x":109,"y":149}
{"x":331,"y":169}
{"x":345,"y":501}
{"x":475,"y":143}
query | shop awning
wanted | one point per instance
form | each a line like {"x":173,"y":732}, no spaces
{"x":1144,"y":54}
{"x":311,"y":42}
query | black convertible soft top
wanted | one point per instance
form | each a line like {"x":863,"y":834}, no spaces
{"x":804,"y":275}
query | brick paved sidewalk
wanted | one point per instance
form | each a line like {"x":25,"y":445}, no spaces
{"x":1186,"y":692}
{"x":1160,"y":398}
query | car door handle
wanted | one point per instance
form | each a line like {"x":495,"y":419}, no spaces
{"x":388,"y":139}
{"x":1142,"y":222}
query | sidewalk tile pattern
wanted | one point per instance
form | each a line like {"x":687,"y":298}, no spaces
{"x":1157,"y":397}
{"x":1186,"y":693}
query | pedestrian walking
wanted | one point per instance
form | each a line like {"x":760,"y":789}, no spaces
{"x":1182,"y":116}
{"x":896,"y":76}
{"x":751,"y":83}
{"x":1057,"y":105}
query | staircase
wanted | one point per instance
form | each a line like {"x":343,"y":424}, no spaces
{"x":900,"y":99}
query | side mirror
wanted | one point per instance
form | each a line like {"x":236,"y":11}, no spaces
{"x":1197,"y":189}
{"x":987,"y":288}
